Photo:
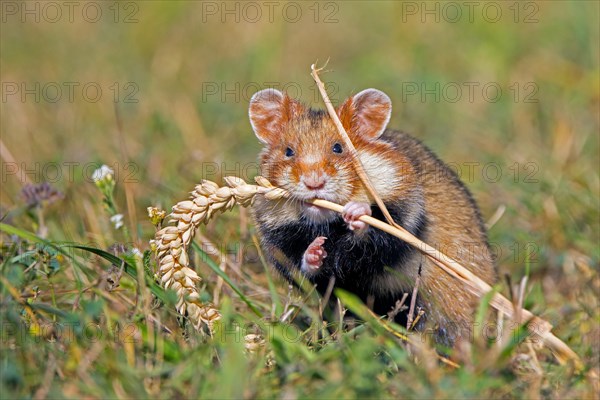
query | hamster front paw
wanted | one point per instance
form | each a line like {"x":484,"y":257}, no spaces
{"x":352,"y":212}
{"x":313,"y":256}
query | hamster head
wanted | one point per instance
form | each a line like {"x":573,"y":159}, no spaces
{"x":304,"y":154}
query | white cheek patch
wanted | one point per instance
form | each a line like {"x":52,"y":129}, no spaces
{"x":282,"y":211}
{"x":339,"y":188}
{"x":286,"y":177}
{"x":382,"y":173}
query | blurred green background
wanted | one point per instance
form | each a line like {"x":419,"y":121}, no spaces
{"x":506,"y":92}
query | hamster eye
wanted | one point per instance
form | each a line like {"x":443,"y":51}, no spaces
{"x":337,"y":148}
{"x":289,"y":152}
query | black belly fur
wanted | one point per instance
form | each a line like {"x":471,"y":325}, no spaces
{"x":354,"y":263}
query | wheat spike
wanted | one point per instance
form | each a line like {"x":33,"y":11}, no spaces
{"x":171,"y":243}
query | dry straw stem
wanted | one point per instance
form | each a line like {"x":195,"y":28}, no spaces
{"x":537,"y":326}
{"x":360,"y":170}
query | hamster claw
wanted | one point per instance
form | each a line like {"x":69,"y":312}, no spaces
{"x":313,"y":256}
{"x":353,"y":210}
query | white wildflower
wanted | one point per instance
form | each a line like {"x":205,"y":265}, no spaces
{"x":117,"y":220}
{"x":103,"y":173}
{"x":137,"y":253}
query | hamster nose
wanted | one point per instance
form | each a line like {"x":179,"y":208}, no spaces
{"x":314,"y":182}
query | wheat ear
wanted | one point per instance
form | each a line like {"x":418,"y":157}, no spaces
{"x":172,"y":242}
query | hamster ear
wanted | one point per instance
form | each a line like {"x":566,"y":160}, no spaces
{"x":269,"y":111}
{"x":366,"y":114}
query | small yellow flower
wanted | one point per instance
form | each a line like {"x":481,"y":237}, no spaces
{"x":156,"y":215}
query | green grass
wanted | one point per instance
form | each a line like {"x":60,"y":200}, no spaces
{"x":64,"y":333}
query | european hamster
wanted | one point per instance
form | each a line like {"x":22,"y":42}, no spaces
{"x":304,"y":154}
